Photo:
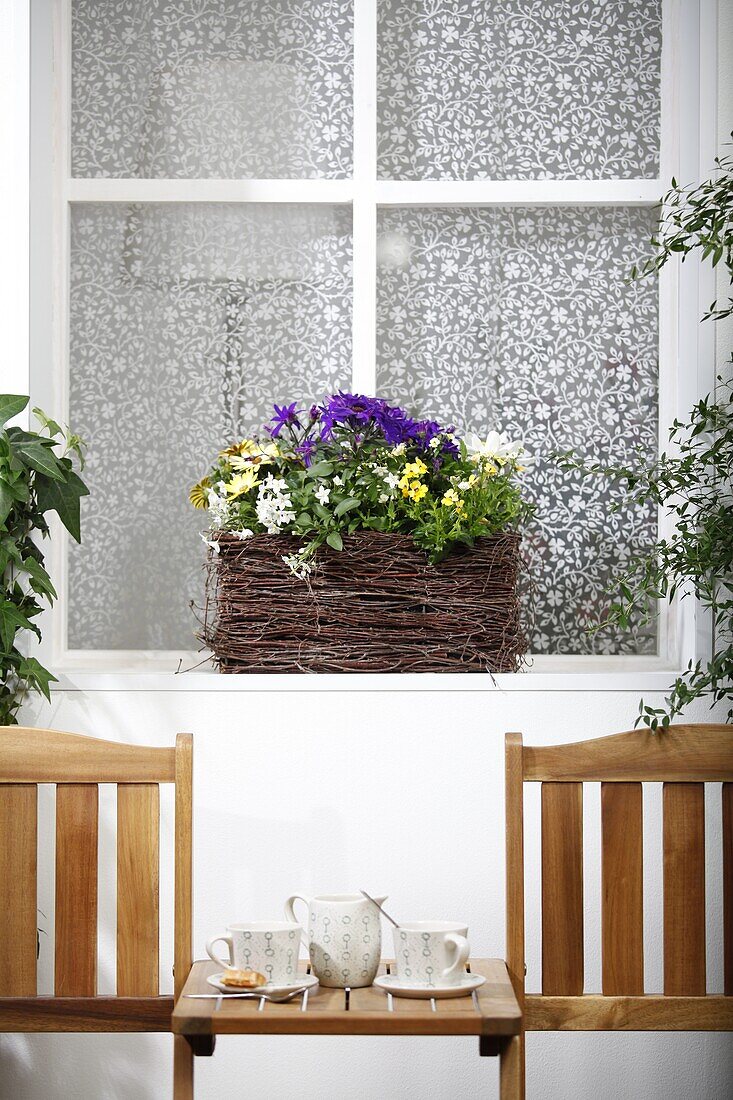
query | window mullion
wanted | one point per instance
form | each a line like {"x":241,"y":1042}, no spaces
{"x":365,"y":209}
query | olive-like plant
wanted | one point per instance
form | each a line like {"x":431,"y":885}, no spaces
{"x":36,"y":476}
{"x":692,"y":483}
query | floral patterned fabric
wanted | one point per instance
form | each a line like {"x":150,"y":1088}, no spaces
{"x":519,"y":89}
{"x":520,"y":319}
{"x":220,"y":88}
{"x":186,"y":321}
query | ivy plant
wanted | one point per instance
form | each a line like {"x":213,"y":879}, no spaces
{"x":37,"y":476}
{"x":692,"y":483}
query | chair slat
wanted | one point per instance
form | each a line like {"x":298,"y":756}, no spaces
{"x":138,"y":862}
{"x":622,"y":919}
{"x":76,"y":889}
{"x":562,"y":888}
{"x":727,"y":794}
{"x":18,"y":917}
{"x":684,"y":889}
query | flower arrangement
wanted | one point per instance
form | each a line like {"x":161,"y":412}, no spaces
{"x":357,"y":463}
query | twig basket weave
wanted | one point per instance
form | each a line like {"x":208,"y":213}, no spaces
{"x":378,"y":605}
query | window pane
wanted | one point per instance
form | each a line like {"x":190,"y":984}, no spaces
{"x":519,"y":89}
{"x":218,"y":88}
{"x":187,"y":322}
{"x":520,"y":319}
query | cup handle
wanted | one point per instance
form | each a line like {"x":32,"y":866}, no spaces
{"x":215,"y":958}
{"x":463,"y":950}
{"x":290,"y":915}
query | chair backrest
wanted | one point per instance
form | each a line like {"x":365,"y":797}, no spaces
{"x":77,"y":765}
{"x":683,"y":758}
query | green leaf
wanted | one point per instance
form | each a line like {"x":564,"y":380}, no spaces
{"x":40,"y":580}
{"x":40,"y":457}
{"x":50,"y":425}
{"x":346,"y":505}
{"x":333,"y":538}
{"x":320,"y":469}
{"x":11,"y":621}
{"x":10,"y":405}
{"x":63,"y":498}
{"x":7,"y":500}
{"x":33,"y":671}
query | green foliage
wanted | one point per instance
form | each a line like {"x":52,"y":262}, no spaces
{"x":36,"y":477}
{"x":321,"y":485}
{"x":693,"y":483}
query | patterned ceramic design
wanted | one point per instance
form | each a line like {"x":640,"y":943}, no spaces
{"x":344,"y":938}
{"x":430,"y":953}
{"x":270,"y":948}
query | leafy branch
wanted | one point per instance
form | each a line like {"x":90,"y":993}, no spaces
{"x":37,"y":476}
{"x":692,"y":484}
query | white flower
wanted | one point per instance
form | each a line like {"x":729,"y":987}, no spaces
{"x":274,"y":506}
{"x":337,"y":480}
{"x":399,"y":449}
{"x":383,"y":498}
{"x":322,"y":494}
{"x":211,"y":543}
{"x":497,"y":445}
{"x":297,"y":566}
{"x":245,"y":533}
{"x":435,"y":442}
{"x":391,"y":481}
{"x":218,"y":508}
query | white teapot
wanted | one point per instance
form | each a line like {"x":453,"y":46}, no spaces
{"x":344,"y":938}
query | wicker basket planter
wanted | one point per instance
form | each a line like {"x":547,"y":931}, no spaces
{"x":377,"y":605}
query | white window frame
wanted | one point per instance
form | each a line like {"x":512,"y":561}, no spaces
{"x":687,"y":367}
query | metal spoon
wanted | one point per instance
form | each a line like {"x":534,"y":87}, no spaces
{"x":246,"y":996}
{"x":379,"y":907}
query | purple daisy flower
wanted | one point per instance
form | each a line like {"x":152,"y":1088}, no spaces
{"x":285,"y":415}
{"x":305,"y":450}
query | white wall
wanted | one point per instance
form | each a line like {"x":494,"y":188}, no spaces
{"x":397,"y":791}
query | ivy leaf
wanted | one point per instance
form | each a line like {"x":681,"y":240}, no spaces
{"x":10,"y":405}
{"x":33,"y":672}
{"x":41,"y":458}
{"x":63,"y":498}
{"x":50,"y":425}
{"x":40,"y":580}
{"x":334,"y":540}
{"x":7,"y":500}
{"x":11,"y":621}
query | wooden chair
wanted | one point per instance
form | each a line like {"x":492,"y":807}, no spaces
{"x":77,"y":764}
{"x":683,"y":759}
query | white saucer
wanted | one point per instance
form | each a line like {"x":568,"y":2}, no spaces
{"x":272,"y":989}
{"x":390,"y":983}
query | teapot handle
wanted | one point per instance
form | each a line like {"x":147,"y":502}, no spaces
{"x":290,"y":914}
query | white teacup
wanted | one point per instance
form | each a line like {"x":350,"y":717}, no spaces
{"x":271,"y":947}
{"x":430,"y":952}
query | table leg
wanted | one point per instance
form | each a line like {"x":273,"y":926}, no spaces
{"x":511,"y":1069}
{"x":182,"y":1069}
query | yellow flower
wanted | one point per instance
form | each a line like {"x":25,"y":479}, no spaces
{"x":417,"y":490}
{"x":256,"y":455}
{"x":451,"y":499}
{"x":415,"y":469}
{"x":242,"y":483}
{"x":245,"y":447}
{"x":198,"y":495}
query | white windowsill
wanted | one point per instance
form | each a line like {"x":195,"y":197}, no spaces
{"x":547,"y":674}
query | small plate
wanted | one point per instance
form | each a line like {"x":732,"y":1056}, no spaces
{"x":390,"y":983}
{"x":272,"y":989}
